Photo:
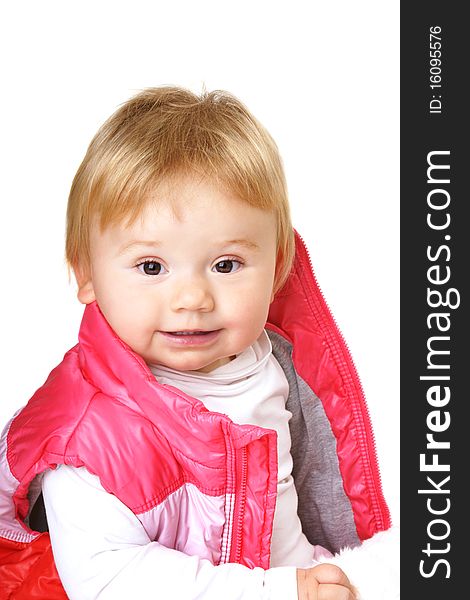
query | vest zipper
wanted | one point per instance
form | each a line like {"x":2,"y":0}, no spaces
{"x":242,"y":470}
{"x":360,"y":409}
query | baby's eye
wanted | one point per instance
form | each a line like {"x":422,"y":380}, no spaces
{"x":151,"y":267}
{"x":228,"y":265}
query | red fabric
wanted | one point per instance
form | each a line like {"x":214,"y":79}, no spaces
{"x":27,"y":571}
{"x":322,"y":359}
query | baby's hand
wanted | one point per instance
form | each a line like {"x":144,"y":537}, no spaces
{"x":324,"y":582}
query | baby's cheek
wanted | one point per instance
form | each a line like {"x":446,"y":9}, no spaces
{"x":250,"y":321}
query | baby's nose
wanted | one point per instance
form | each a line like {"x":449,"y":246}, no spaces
{"x":193,"y":294}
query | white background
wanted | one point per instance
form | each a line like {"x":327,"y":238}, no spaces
{"x":321,"y":76}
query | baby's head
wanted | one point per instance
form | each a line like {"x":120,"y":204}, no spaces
{"x":178,"y":226}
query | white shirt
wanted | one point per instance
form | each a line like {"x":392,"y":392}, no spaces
{"x":100,"y":547}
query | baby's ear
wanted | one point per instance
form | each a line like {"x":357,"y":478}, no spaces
{"x":86,"y":291}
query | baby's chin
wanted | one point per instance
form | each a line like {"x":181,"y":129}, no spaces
{"x":215,"y":365}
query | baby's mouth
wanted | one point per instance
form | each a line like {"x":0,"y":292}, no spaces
{"x":192,"y":337}
{"x":195,"y":332}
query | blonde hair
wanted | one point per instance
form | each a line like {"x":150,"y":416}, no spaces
{"x":165,"y":131}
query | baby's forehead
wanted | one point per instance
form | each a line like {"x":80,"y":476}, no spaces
{"x":199,"y":216}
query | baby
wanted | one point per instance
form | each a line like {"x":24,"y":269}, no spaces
{"x":207,"y":437}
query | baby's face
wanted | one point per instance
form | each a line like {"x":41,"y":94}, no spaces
{"x":188,"y":285}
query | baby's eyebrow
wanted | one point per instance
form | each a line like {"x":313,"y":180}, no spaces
{"x":134,"y":243}
{"x":241,"y":242}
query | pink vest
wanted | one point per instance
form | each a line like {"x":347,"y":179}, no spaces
{"x":160,"y":451}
